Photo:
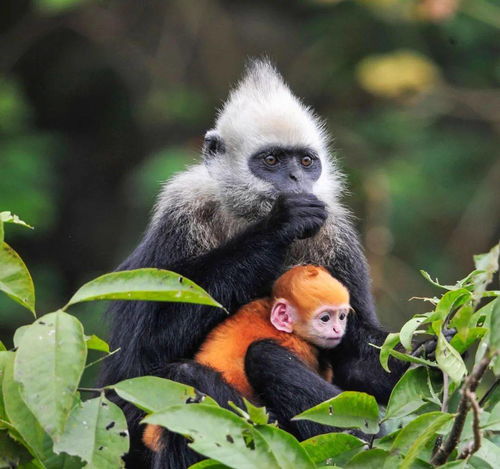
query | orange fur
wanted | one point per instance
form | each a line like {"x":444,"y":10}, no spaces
{"x":152,"y":437}
{"x":307,"y":288}
{"x":226,"y":346}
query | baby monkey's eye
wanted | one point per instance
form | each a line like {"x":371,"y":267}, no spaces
{"x":342,"y":316}
{"x":325,"y":318}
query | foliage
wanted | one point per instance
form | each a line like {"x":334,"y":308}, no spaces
{"x":433,"y":416}
{"x":44,"y":422}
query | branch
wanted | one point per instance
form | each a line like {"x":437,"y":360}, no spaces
{"x":471,"y":448}
{"x":451,"y":442}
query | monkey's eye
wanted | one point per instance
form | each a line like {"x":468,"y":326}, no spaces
{"x":342,"y":316}
{"x":270,"y":160}
{"x":306,"y":161}
{"x":325,"y":318}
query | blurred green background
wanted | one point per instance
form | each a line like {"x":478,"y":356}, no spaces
{"x":101,"y":101}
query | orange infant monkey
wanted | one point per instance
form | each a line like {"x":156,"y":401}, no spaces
{"x":308,"y":309}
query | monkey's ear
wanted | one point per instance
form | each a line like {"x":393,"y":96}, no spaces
{"x":282,"y":315}
{"x":213,"y":145}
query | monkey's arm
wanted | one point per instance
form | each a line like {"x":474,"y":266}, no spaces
{"x":233,"y":274}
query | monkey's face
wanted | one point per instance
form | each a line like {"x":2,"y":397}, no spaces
{"x":325,"y":327}
{"x":286,"y":169}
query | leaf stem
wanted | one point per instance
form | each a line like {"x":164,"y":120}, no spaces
{"x":100,"y":359}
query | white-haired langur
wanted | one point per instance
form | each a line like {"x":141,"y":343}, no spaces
{"x":265,"y":198}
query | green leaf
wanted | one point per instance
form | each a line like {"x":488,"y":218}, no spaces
{"x":143,"y":284}
{"x":15,"y":279}
{"x":448,"y":302}
{"x":410,"y":393}
{"x":209,"y":464}
{"x":489,"y":452}
{"x":406,"y":333}
{"x":494,"y":338}
{"x":257,"y":415}
{"x":410,"y":358}
{"x":286,"y":448}
{"x":390,"y":342}
{"x":412,"y":438}
{"x":449,"y":360}
{"x":152,"y":394}
{"x":37,"y":440}
{"x":218,"y":434}
{"x":330,"y":446}
{"x":96,"y":432}
{"x":348,"y":410}
{"x":371,"y":459}
{"x":493,"y":422}
{"x":461,"y":321}
{"x":19,"y":334}
{"x":96,"y":343}
{"x":473,"y":335}
{"x":2,"y":347}
{"x":49,"y":364}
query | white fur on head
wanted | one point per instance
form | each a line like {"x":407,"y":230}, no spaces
{"x":262,"y":111}
{"x":212,"y":202}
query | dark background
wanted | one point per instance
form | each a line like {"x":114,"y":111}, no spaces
{"x":101,"y":101}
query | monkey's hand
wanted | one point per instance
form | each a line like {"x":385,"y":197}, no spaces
{"x":296,"y":216}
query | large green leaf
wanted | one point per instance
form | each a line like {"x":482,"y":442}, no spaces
{"x":412,"y":438}
{"x":410,"y":393}
{"x":448,"y":302}
{"x":96,"y":431}
{"x":37,"y":441}
{"x":143,"y":284}
{"x":286,"y":448}
{"x":331,"y":445}
{"x":15,"y":279}
{"x":449,"y":360}
{"x":49,"y":364}
{"x":348,"y":410}
{"x":218,"y":434}
{"x":8,"y":217}
{"x":152,"y":394}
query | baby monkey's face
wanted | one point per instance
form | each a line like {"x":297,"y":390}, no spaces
{"x":324,"y":327}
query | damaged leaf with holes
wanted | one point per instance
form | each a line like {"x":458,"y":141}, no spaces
{"x":96,"y":432}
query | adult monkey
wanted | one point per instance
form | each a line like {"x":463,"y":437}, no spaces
{"x":265,"y":198}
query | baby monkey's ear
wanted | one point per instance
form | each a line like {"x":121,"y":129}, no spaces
{"x":282,"y":315}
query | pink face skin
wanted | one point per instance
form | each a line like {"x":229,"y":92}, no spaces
{"x":324,"y":327}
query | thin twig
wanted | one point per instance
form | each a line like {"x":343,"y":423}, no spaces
{"x":471,"y":383}
{"x":471,"y":448}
